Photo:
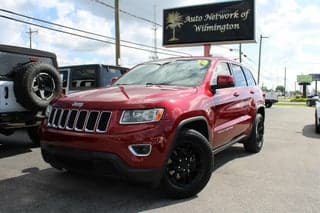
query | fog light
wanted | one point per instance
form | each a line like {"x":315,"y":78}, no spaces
{"x":140,"y":150}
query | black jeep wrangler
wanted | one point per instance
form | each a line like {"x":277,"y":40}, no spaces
{"x":29,"y":80}
{"x":89,"y":76}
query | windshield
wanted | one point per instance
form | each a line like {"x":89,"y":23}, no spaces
{"x":177,"y":73}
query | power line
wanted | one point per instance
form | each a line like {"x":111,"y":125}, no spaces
{"x":87,"y":32}
{"x":129,"y":14}
{"x":82,"y":36}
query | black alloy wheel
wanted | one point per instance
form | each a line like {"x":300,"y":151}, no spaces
{"x":184,"y":165}
{"x":189,"y":166}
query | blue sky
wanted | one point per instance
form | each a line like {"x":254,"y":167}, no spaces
{"x":293,"y":28}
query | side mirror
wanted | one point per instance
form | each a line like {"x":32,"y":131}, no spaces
{"x":223,"y":81}
{"x":114,"y":79}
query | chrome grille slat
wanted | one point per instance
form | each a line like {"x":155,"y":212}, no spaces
{"x":79,"y":120}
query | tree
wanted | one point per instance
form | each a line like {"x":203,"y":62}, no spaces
{"x":280,"y":89}
{"x":174,"y":20}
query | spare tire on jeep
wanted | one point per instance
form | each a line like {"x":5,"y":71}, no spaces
{"x":36,"y":84}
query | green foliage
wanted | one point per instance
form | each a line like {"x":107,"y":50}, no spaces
{"x":298,"y":99}
{"x":280,"y":88}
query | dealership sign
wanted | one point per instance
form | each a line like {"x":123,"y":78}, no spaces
{"x":226,"y":22}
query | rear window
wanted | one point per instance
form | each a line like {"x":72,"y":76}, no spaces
{"x":83,"y":78}
{"x":10,"y":60}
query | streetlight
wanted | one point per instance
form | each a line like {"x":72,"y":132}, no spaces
{"x":259,"y":64}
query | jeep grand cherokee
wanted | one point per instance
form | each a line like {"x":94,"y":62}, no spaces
{"x":162,"y":122}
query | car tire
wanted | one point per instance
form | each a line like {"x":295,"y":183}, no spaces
{"x":309,"y":103}
{"x":317,"y":125}
{"x":48,"y":158}
{"x":268,"y":105}
{"x":36,"y":84}
{"x":34,"y":135}
{"x":189,"y":166}
{"x":255,"y":141}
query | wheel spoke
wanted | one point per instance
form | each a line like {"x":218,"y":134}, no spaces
{"x":35,"y":88}
{"x":42,"y":94}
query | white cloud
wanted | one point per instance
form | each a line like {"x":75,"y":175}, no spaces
{"x":293,"y":29}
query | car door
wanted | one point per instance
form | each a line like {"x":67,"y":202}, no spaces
{"x":224,"y":115}
{"x":255,"y":95}
{"x":231,"y":106}
{"x":243,"y":104}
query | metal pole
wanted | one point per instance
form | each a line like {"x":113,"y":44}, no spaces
{"x":259,"y":64}
{"x":117,"y":31}
{"x":285,"y":80}
{"x":155,"y":32}
{"x":206,"y":50}
{"x":240,"y":53}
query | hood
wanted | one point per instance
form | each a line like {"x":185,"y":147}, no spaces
{"x":126,"y":96}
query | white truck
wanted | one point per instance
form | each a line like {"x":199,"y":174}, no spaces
{"x":270,"y":98}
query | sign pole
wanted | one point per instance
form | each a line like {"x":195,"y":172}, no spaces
{"x":206,"y":50}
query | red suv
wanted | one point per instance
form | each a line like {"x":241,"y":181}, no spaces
{"x":162,"y":122}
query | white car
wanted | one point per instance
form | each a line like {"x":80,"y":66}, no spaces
{"x":317,"y":116}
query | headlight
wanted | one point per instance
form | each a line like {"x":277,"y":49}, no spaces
{"x":141,"y":116}
{"x":48,"y":110}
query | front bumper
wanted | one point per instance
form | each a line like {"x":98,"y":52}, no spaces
{"x":16,"y":120}
{"x":101,"y":163}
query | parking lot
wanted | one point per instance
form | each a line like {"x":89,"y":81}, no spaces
{"x":284,"y":177}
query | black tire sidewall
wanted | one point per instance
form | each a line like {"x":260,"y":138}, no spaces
{"x":251,"y":145}
{"x":23,"y":84}
{"x":34,"y":134}
{"x":199,"y":142}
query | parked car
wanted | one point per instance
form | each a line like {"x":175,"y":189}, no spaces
{"x":162,"y":122}
{"x":311,"y":100}
{"x":270,"y":98}
{"x":317,"y":116}
{"x":89,"y":76}
{"x":29,"y":80}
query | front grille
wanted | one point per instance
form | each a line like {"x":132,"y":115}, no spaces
{"x":79,"y":120}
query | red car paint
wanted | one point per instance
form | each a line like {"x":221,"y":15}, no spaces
{"x":229,"y":112}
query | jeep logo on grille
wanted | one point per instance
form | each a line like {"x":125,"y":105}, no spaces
{"x":77,"y":104}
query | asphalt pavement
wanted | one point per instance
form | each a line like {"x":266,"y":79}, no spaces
{"x":283,"y":177}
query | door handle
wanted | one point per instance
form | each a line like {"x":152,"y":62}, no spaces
{"x":251,"y":91}
{"x":236,"y":94}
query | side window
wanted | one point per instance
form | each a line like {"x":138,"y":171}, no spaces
{"x":221,"y":69}
{"x":240,"y":80}
{"x":249,"y":77}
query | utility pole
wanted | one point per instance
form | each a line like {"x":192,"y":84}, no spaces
{"x":30,"y":32}
{"x":155,"y":55}
{"x":285,"y":80}
{"x":240,"y":53}
{"x":259,"y":64}
{"x":117,"y":31}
